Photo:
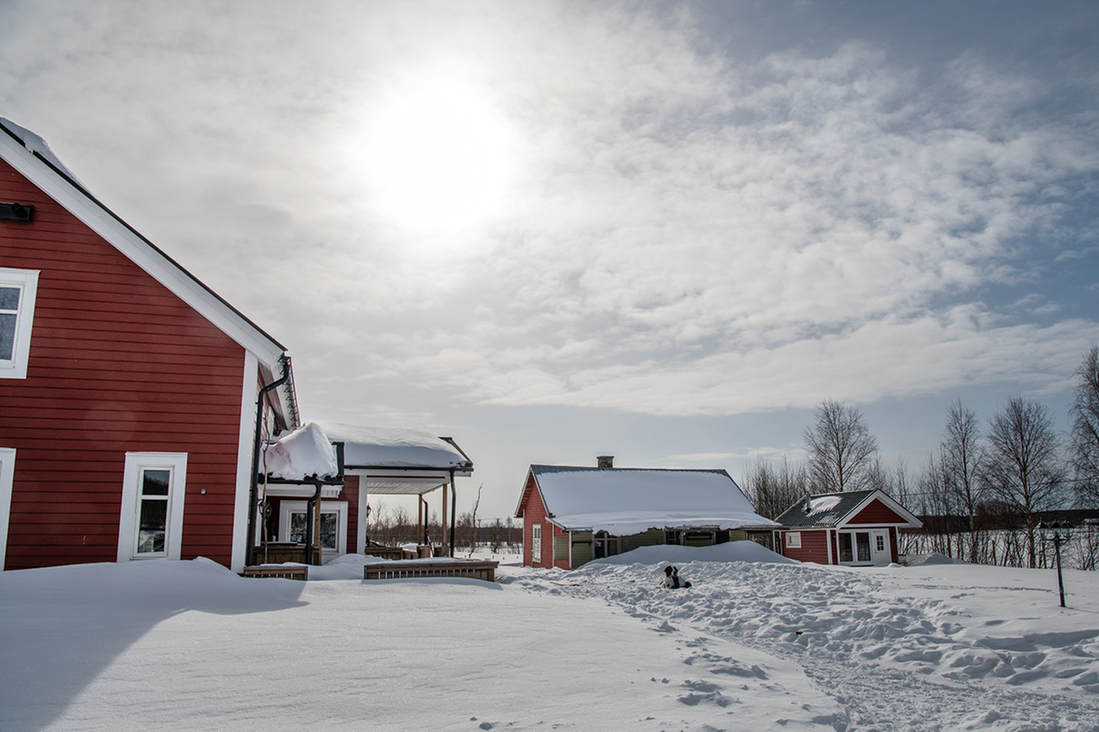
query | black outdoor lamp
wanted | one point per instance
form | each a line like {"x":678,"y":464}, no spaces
{"x":1058,"y":533}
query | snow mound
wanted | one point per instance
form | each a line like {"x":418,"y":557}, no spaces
{"x":733,"y":551}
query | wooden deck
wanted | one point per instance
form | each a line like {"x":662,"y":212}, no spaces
{"x":474,"y":569}
{"x":290,"y":571}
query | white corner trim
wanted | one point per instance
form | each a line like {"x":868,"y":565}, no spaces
{"x":127,"y":522}
{"x":7,"y":481}
{"x":243,"y":496}
{"x":27,"y":281}
{"x":363,"y":516}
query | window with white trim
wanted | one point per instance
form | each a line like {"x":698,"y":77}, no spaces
{"x":151,"y":522}
{"x":536,"y":543}
{"x":18,"y":289}
{"x":333,"y":536}
{"x":793,"y":540}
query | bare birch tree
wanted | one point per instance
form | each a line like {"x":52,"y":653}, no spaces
{"x":1023,"y":466}
{"x":773,"y":490}
{"x":1085,"y":430}
{"x":960,"y":459}
{"x":841,"y":449}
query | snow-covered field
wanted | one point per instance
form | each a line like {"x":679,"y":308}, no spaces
{"x":757,"y":643}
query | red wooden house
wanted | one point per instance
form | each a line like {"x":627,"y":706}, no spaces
{"x":856,"y":528}
{"x":132,"y":397}
{"x":572,"y":515}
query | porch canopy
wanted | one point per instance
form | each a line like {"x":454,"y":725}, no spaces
{"x":387,"y":460}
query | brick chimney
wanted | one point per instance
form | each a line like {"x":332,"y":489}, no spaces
{"x":605,"y":461}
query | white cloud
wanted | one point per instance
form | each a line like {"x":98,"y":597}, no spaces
{"x":696,"y":234}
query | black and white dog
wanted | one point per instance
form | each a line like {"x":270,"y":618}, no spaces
{"x":671,"y":578}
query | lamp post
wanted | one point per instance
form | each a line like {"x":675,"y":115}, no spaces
{"x":1058,"y":534}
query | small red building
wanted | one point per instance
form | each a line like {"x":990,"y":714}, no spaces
{"x":131,"y":395}
{"x":572,"y":515}
{"x":856,"y":528}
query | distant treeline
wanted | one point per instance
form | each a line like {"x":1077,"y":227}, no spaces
{"x":397,"y":525}
{"x":984,"y":493}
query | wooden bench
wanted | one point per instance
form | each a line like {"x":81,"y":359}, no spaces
{"x":294,"y":572}
{"x":474,"y":569}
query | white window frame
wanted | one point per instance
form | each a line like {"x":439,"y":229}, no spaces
{"x":536,"y":543}
{"x":27,"y":282}
{"x":337,"y":507}
{"x":136,"y":463}
{"x":7,"y":481}
{"x":853,"y":533}
{"x":793,"y":540}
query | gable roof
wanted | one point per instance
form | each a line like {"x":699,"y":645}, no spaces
{"x":831,"y":510}
{"x":625,"y":501}
{"x":32,"y":157}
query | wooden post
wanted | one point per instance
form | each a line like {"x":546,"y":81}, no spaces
{"x":419,"y":519}
{"x":442,"y":521}
{"x":316,"y":548}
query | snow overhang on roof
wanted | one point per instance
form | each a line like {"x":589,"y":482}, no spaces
{"x":302,"y":454}
{"x":623,"y":501}
{"x":36,"y":145}
{"x":397,"y":448}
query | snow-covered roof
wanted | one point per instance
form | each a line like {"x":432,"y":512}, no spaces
{"x":309,"y":451}
{"x":829,"y":510}
{"x":625,"y":501}
{"x":396,"y":447}
{"x":36,"y":144}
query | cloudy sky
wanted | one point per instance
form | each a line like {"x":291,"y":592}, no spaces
{"x":553,"y":230}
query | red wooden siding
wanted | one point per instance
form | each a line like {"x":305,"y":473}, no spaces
{"x":117,"y":363}
{"x":534,"y":512}
{"x":876,"y":513}
{"x":350,"y":493}
{"x":814,"y":546}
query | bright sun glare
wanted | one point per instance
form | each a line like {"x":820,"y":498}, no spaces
{"x":440,"y":158}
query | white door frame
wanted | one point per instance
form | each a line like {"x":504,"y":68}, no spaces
{"x":883,"y":556}
{"x":130,"y":514}
{"x":337,"y":507}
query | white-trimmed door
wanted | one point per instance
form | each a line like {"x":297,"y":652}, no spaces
{"x":333,"y":526}
{"x":879,"y":547}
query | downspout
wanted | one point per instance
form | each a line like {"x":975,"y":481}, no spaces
{"x":313,"y":505}
{"x":253,"y":501}
{"x":453,"y":511}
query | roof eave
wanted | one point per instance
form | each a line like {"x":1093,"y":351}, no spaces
{"x":142,"y":252}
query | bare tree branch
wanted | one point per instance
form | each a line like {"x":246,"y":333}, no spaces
{"x":841,"y":449}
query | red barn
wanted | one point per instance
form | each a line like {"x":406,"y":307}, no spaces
{"x":131,"y":395}
{"x":856,"y":528}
